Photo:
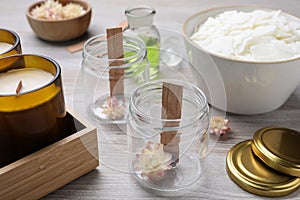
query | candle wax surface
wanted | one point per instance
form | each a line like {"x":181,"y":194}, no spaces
{"x":4,"y":47}
{"x":32,"y":78}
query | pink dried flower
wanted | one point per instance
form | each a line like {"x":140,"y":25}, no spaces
{"x":219,"y":125}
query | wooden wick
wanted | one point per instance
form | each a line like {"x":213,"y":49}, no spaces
{"x":78,"y":46}
{"x":171,"y":109}
{"x":115,"y":53}
{"x":19,"y":87}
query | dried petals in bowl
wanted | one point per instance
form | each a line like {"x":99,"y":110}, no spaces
{"x":54,"y":10}
{"x":59,"y":20}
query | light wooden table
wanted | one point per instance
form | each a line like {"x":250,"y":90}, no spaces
{"x":109,"y":181}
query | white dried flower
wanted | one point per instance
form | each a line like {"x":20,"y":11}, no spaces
{"x":114,"y":108}
{"x":153,"y":161}
{"x":53,"y":10}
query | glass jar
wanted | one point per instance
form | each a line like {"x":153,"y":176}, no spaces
{"x":151,"y":162}
{"x":140,"y":23}
{"x":31,"y":118}
{"x":102,"y":106}
{"x":10,"y":43}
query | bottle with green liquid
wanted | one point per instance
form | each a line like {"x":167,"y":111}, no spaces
{"x":140,"y":23}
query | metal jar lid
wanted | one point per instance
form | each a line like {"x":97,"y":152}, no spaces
{"x":279,"y":148}
{"x":251,"y":174}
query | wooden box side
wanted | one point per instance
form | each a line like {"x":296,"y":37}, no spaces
{"x":48,"y":169}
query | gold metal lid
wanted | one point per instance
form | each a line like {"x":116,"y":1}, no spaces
{"x":279,"y":148}
{"x":251,"y":174}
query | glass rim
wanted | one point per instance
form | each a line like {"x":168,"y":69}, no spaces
{"x":17,"y":38}
{"x":141,"y":54}
{"x":191,"y":118}
{"x":150,"y":11}
{"x":53,"y":80}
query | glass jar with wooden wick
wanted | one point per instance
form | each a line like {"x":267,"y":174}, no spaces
{"x":167,"y":154}
{"x":108,"y":88}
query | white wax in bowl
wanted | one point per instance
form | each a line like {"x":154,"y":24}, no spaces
{"x":251,"y":36}
{"x":32,"y":78}
{"x":4,"y":47}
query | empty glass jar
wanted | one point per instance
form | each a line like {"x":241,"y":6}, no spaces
{"x":102,"y":103}
{"x":140,"y":23}
{"x":151,"y":162}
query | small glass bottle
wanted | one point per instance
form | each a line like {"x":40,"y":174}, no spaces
{"x":151,"y":162}
{"x":140,"y":22}
{"x":102,"y":105}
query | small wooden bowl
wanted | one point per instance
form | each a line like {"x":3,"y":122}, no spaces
{"x":60,"y":30}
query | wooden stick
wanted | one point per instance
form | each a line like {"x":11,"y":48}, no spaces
{"x":75,"y":47}
{"x":115,"y":52}
{"x":171,"y":109}
{"x":19,"y":87}
{"x":78,"y":46}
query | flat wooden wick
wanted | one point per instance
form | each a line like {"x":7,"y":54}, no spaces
{"x":78,"y":46}
{"x":115,"y":53}
{"x":19,"y":87}
{"x":171,"y":109}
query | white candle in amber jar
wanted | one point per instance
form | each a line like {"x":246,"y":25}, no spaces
{"x":4,"y":47}
{"x":32,"y":78}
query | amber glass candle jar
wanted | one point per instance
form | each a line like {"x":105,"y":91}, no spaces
{"x":10,"y":43}
{"x":29,"y":115}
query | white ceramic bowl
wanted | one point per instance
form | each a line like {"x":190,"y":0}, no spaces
{"x":250,"y":87}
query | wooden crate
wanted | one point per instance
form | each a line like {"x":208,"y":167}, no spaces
{"x":48,"y":169}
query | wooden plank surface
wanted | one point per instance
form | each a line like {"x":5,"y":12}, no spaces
{"x":110,"y":180}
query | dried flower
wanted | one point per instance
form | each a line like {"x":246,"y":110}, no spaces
{"x":54,"y":10}
{"x":153,"y":161}
{"x":114,"y":108}
{"x":219,"y":125}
